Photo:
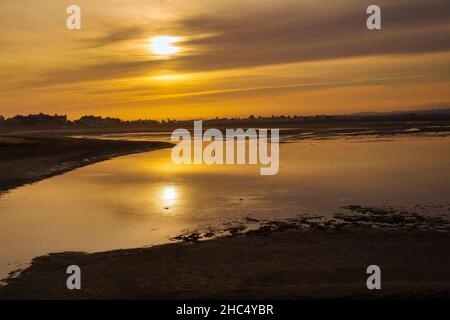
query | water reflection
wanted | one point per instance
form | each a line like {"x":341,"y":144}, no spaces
{"x":143,"y":199}
{"x":169,"y":196}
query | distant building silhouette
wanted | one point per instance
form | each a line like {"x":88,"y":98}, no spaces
{"x":96,"y":122}
{"x":42,"y":120}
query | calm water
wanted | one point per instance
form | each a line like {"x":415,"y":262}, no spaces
{"x":142,"y":199}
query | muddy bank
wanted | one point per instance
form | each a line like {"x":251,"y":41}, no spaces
{"x":388,"y":217}
{"x":301,"y":258}
{"x":26,"y":159}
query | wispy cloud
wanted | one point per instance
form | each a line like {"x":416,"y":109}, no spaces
{"x":283,"y":34}
{"x":298,"y":33}
{"x":114,"y":36}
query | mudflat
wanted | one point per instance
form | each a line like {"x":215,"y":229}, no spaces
{"x":26,"y":159}
{"x":267,"y":264}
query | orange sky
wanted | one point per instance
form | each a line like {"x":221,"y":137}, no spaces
{"x":232,"y":58}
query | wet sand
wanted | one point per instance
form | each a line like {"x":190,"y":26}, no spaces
{"x":26,"y":159}
{"x":267,"y":264}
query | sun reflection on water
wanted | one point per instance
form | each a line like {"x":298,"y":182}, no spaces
{"x":169,"y":196}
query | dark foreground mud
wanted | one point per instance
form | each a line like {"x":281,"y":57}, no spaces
{"x":304,"y":258}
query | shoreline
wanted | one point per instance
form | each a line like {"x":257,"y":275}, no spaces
{"x":303,"y":258}
{"x":287,"y":264}
{"x":27,"y":159}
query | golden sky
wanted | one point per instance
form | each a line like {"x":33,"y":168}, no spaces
{"x":224,"y":57}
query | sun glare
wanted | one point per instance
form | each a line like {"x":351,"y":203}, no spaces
{"x":169,"y":193}
{"x":164,"y":45}
{"x":169,"y":196}
{"x":169,"y":77}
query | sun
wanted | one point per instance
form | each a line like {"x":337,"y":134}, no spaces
{"x":164,"y":45}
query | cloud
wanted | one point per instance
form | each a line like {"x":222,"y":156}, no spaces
{"x":94,"y":72}
{"x":151,"y":93}
{"x":115,"y":35}
{"x":304,"y":33}
{"x":298,"y":32}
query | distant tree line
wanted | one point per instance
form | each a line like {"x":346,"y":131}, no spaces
{"x":42,"y":120}
{"x":61,"y":121}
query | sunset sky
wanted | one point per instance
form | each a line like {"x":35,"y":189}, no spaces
{"x":222,"y":57}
